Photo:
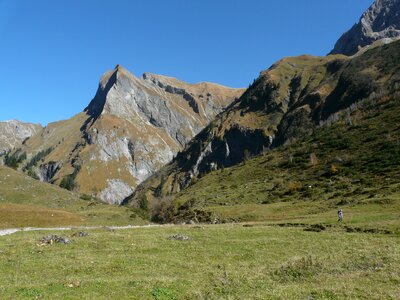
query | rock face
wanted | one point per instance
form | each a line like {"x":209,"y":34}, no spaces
{"x":131,"y":128}
{"x":13,"y":133}
{"x":285,"y":103}
{"x":116,"y":189}
{"x":381,"y":22}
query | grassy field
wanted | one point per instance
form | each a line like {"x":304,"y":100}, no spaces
{"x":230,"y":261}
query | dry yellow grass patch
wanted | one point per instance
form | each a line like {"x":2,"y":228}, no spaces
{"x":19,"y":215}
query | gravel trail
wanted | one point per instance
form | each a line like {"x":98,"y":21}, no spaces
{"x":9,"y":231}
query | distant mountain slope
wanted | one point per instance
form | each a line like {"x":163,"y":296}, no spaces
{"x":131,"y":128}
{"x":13,"y":133}
{"x":291,"y":100}
{"x":380,"y":22}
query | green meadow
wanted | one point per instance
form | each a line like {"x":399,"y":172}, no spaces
{"x":228,"y":261}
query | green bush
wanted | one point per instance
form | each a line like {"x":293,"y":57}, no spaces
{"x":39,"y":156}
{"x":144,"y":203}
{"x":32,"y":174}
{"x":86,"y":197}
{"x":13,"y":160}
{"x":68,"y":182}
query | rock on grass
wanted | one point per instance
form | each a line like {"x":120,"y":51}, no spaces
{"x":179,"y":237}
{"x":54,"y":239}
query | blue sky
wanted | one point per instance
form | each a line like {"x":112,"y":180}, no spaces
{"x":53,"y":53}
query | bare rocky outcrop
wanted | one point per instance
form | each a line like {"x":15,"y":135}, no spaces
{"x":116,"y":191}
{"x":13,"y":133}
{"x":381,"y":22}
{"x":48,"y":170}
{"x":160,"y":101}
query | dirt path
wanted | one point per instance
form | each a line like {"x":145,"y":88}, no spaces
{"x":14,"y":230}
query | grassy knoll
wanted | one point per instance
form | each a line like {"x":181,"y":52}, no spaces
{"x":28,"y":202}
{"x":228,"y":261}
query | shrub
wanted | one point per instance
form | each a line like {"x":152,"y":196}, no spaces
{"x":159,"y":190}
{"x":39,"y":156}
{"x":333,"y":170}
{"x":32,"y":174}
{"x":68,"y":182}
{"x":86,"y":197}
{"x":14,"y":159}
{"x":144,"y":203}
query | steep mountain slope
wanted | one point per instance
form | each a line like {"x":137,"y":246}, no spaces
{"x":381,"y":22}
{"x":352,"y":164}
{"x":13,"y":133}
{"x":289,"y":101}
{"x":131,"y":128}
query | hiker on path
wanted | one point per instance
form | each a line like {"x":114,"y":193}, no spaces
{"x":340,"y":215}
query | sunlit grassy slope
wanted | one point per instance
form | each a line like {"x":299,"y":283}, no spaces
{"x":27,"y":202}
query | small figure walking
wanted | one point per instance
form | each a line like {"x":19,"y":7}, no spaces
{"x":340,"y":215}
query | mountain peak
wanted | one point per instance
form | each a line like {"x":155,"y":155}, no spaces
{"x":110,"y":77}
{"x":380,"y":21}
{"x":120,"y":69}
{"x":119,"y":76}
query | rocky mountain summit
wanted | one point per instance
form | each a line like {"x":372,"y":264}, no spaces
{"x":381,"y":22}
{"x":13,"y":133}
{"x":163,"y":102}
{"x":131,"y":128}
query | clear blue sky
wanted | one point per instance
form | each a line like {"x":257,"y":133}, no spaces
{"x":53,"y":53}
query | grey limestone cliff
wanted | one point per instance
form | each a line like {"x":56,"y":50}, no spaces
{"x":161,"y":114}
{"x":381,"y":22}
{"x":13,"y":133}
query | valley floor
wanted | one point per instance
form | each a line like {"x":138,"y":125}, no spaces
{"x":226,"y":261}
